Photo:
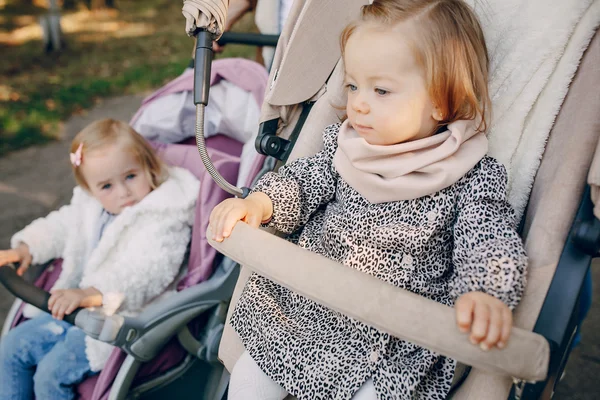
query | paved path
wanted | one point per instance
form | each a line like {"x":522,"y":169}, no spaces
{"x":37,"y":180}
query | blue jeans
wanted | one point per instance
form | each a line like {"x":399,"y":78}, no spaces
{"x":55,"y":347}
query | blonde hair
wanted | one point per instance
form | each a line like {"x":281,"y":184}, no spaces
{"x":106,"y":132}
{"x":450,"y":47}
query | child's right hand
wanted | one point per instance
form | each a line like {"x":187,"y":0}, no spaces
{"x":487,"y":319}
{"x":19,"y":255}
{"x":253,"y":210}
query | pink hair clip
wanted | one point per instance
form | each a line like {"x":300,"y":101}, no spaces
{"x":76,"y":157}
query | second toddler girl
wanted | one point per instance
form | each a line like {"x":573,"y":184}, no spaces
{"x":123,"y":239}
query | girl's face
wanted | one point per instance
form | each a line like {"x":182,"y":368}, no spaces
{"x":388,"y":101}
{"x":115,"y":178}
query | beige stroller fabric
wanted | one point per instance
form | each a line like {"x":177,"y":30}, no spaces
{"x":559,"y":185}
{"x":269,"y":16}
{"x":210,"y":14}
{"x":554,"y":200}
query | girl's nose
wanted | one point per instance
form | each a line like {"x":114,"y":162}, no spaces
{"x":360,"y":105}
{"x":123,"y":191}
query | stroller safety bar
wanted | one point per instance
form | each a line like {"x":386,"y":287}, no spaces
{"x":92,"y":321}
{"x":28,"y":292}
{"x":144,"y":336}
{"x":393,"y":310}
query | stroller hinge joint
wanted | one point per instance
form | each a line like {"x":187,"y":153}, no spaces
{"x":267,"y":141}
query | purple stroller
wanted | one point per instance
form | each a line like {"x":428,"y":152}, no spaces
{"x":160,"y":344}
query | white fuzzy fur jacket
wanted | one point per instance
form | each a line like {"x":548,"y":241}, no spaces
{"x":136,"y":260}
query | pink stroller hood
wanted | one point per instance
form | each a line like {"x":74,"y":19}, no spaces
{"x":246,"y":74}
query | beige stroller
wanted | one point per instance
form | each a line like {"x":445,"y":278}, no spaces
{"x":546,"y":137}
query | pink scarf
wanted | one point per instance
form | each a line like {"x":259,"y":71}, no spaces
{"x":408,"y":170}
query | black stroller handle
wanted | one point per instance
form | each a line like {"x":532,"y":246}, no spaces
{"x":203,"y":57}
{"x":252,"y":39}
{"x":28,"y":292}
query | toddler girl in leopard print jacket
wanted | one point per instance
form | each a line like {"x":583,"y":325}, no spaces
{"x":402,"y":190}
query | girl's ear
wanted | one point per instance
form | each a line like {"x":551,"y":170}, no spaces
{"x":436,"y":114}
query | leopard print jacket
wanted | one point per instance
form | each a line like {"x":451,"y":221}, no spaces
{"x":440,"y":246}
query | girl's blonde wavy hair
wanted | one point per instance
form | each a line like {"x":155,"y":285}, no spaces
{"x":107,"y":132}
{"x":450,"y":47}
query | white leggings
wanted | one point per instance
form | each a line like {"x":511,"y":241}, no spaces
{"x":249,"y":382}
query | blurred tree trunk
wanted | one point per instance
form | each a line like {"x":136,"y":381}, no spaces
{"x":98,"y":4}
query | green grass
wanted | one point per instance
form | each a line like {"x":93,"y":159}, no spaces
{"x":38,"y":91}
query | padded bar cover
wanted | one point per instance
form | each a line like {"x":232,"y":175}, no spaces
{"x":388,"y":308}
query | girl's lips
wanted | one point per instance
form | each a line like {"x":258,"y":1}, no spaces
{"x":362,"y":128}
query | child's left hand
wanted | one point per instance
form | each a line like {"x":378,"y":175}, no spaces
{"x":64,"y":301}
{"x":488,"y":319}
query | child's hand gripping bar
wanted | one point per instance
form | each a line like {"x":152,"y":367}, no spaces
{"x":28,"y":292}
{"x":92,"y":321}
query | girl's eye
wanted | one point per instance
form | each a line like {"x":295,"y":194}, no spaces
{"x":130,"y":176}
{"x":381,"y":92}
{"x":106,"y":186}
{"x":351,"y":87}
